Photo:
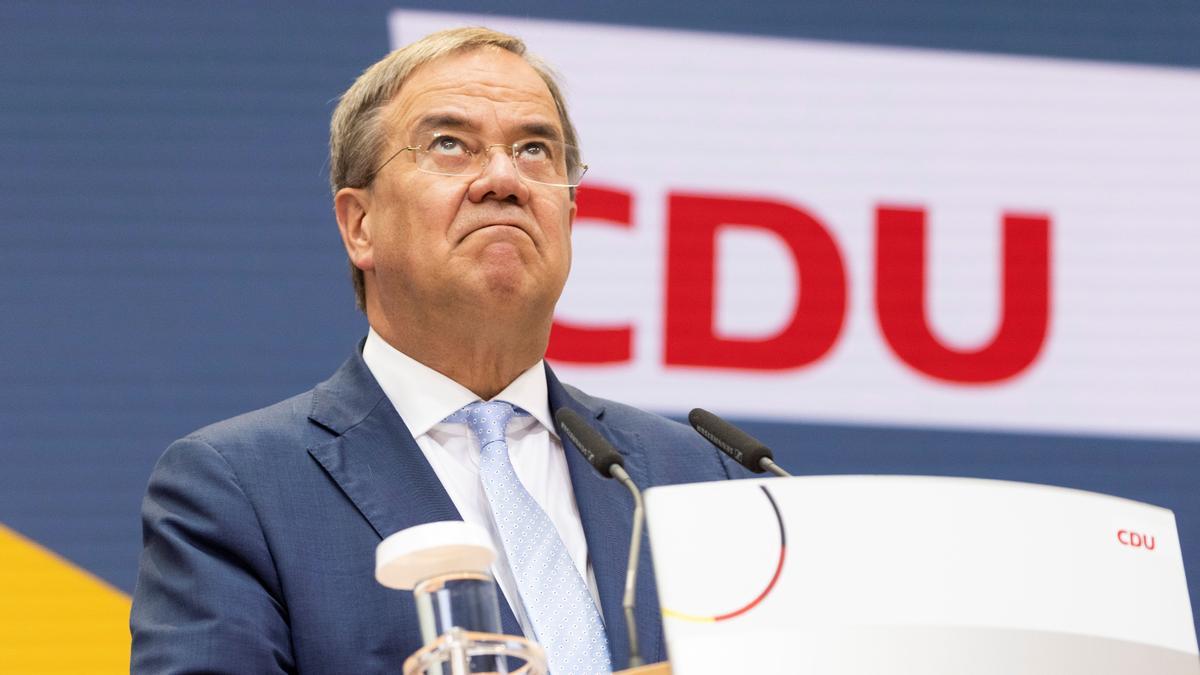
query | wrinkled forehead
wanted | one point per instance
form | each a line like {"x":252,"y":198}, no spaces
{"x":485,"y":91}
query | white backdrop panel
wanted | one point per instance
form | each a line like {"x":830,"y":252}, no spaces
{"x":1110,"y":153}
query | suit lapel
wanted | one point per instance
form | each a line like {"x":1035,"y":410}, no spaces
{"x":380,"y":468}
{"x":376,"y":462}
{"x":606,"y":512}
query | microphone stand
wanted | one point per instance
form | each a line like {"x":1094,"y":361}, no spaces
{"x":608,"y":463}
{"x":635,"y":546}
{"x":769,"y":465}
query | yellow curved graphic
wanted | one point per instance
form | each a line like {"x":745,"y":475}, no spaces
{"x":56,"y":617}
{"x":694,"y":618}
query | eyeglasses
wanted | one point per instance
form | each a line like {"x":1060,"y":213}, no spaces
{"x":538,"y":160}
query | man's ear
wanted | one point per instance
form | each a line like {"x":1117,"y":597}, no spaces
{"x":351,"y":205}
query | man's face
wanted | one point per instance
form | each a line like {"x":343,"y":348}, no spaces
{"x":493,"y":241}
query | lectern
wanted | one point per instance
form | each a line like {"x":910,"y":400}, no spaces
{"x":883,"y":575}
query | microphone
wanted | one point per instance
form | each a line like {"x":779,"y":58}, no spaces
{"x":741,"y":446}
{"x":605,"y":458}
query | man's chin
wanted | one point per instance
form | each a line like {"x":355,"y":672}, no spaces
{"x":511,"y":291}
{"x":507,"y":284}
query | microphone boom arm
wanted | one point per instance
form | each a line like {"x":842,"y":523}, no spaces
{"x":768,"y":464}
{"x":608,"y":463}
{"x":635,"y":548}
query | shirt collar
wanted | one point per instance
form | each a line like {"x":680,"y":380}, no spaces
{"x":424,"y":397}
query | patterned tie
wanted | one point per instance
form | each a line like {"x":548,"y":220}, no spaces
{"x":554,"y":594}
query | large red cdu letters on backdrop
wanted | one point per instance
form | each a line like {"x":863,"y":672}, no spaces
{"x":577,"y":344}
{"x":692,"y":225}
{"x":903,"y":315}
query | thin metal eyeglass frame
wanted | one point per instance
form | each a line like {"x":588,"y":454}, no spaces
{"x":512,"y":154}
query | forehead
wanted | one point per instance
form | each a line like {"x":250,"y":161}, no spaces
{"x":486,"y":87}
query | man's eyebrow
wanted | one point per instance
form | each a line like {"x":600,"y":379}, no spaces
{"x":541,"y":130}
{"x":435,"y":121}
{"x":446,"y":120}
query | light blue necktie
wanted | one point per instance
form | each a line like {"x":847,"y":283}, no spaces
{"x":555,"y":596}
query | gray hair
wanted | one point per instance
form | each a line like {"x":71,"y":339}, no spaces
{"x":357,"y":133}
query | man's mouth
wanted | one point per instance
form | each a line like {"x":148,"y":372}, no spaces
{"x":502,"y":225}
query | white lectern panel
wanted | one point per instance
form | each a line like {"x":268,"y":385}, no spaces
{"x":875,"y":574}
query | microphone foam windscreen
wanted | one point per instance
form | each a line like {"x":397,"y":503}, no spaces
{"x":598,"y":451}
{"x":741,"y":446}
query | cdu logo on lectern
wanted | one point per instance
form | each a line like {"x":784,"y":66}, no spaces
{"x":1136,"y":539}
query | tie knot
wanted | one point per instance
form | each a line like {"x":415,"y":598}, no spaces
{"x":486,"y":420}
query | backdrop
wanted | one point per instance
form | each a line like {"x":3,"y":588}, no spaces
{"x":922,"y":238}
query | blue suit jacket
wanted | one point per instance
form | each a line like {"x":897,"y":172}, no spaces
{"x":260,"y":532}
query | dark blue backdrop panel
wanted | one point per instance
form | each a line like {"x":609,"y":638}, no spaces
{"x":168,"y":255}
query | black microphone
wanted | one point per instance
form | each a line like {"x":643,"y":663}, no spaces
{"x":741,"y":446}
{"x":605,"y":458}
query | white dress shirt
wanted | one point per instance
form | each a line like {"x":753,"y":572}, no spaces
{"x":424,"y":397}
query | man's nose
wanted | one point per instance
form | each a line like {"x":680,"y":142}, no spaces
{"x":499,"y":177}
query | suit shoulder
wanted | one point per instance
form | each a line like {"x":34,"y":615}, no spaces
{"x":283,"y":424}
{"x":635,"y":419}
{"x":673,"y":450}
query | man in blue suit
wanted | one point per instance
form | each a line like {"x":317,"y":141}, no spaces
{"x":453,"y":168}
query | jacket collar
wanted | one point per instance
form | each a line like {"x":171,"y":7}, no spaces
{"x":348,"y":397}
